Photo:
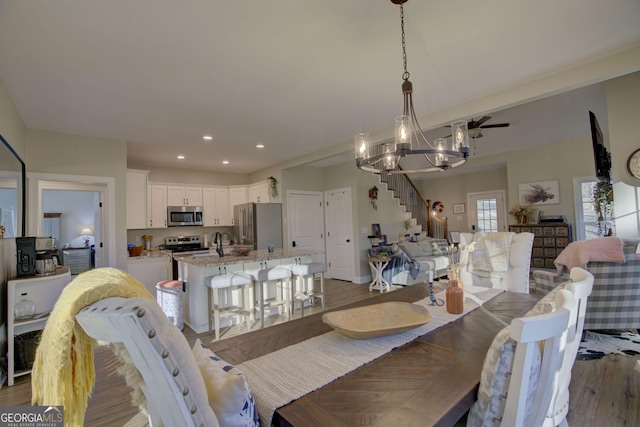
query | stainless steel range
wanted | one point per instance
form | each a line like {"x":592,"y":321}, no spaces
{"x":184,"y":245}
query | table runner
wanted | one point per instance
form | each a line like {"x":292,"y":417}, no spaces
{"x":285,"y":375}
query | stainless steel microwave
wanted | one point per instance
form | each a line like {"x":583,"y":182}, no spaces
{"x":180,"y":216}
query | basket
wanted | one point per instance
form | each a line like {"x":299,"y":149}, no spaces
{"x":135,"y":250}
{"x":25,"y":349}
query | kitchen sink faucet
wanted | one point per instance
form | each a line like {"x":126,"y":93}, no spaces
{"x":218,"y":241}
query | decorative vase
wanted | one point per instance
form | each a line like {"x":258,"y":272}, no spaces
{"x":522,"y":219}
{"x":455,"y":294}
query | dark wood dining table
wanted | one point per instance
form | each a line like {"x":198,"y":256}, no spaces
{"x":432,"y":380}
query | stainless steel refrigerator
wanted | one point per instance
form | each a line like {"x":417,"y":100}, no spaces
{"x":258,"y":224}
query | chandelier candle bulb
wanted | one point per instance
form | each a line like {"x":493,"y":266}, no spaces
{"x":390,"y":160}
{"x":362,"y":146}
{"x":403,"y":133}
{"x":460,"y":132}
{"x":442,"y":161}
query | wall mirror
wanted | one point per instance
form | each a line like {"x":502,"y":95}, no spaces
{"x":12,"y":191}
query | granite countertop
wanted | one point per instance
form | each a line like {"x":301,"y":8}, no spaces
{"x":152,"y":253}
{"x":212,"y":259}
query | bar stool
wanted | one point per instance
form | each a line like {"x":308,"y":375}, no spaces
{"x":221,"y":284}
{"x":261,"y":278}
{"x":306,"y":273}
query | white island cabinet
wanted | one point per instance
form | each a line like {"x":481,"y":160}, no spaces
{"x":196,"y":270}
{"x":149,"y":270}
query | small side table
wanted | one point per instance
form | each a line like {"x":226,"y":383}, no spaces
{"x":378,"y":282}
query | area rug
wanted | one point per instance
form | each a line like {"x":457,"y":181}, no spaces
{"x":597,"y":344}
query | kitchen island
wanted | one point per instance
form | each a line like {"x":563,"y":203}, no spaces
{"x":195,"y":270}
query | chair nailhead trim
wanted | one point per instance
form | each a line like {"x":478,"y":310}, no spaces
{"x":140,"y":312}
{"x":152,"y":333}
{"x":165,"y":354}
{"x":185,"y":391}
{"x":175,"y":372}
{"x":193,"y":409}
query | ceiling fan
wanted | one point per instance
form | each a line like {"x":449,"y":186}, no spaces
{"x":475,"y":127}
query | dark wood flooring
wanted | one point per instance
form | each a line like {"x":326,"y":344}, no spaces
{"x":603,"y":392}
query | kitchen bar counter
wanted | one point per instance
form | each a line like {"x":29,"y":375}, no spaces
{"x":196,"y":270}
{"x":212,"y":258}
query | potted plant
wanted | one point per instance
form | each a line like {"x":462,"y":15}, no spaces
{"x":602,"y":198}
{"x":273,"y":186}
{"x":521,"y":213}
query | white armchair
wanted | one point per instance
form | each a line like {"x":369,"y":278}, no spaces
{"x":515,"y":275}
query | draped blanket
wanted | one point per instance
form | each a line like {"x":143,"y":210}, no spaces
{"x":578,"y":254}
{"x":399,"y":263}
{"x":63,"y":371}
{"x":490,"y":258}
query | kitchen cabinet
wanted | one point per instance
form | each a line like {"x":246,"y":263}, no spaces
{"x":150,"y":270}
{"x":77,"y":259}
{"x":237,"y":196}
{"x":215,"y":204}
{"x":44,"y":291}
{"x":157,"y":206}
{"x":184,"y":196}
{"x":137,"y":198}
{"x":259,"y":193}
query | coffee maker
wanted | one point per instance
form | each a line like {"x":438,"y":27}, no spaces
{"x":26,"y":256}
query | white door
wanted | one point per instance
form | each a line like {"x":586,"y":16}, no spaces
{"x":306,"y":222}
{"x":339,"y":226}
{"x":487,"y":211}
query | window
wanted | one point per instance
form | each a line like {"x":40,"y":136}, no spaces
{"x":590,"y":224}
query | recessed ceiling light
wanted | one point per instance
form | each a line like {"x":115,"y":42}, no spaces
{"x":180,"y":156}
{"x":260,"y":146}
{"x":207,"y":137}
{"x":225,"y":162}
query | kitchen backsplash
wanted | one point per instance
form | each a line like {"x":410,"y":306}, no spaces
{"x":135,"y":236}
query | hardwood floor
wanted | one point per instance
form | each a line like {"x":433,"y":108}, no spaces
{"x":603,"y":392}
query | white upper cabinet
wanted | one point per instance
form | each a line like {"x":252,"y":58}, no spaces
{"x":215,"y":206}
{"x":157,"y":206}
{"x":237,"y":196}
{"x":259,"y":193}
{"x":184,"y":196}
{"x":137,"y":198}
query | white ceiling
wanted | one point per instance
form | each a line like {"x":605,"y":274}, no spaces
{"x":296,"y":76}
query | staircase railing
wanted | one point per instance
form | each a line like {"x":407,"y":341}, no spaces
{"x":418,"y":207}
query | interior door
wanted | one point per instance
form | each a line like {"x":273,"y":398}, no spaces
{"x":339,"y":226}
{"x":487,"y":211}
{"x":306,"y":222}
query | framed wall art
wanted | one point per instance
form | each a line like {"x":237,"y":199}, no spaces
{"x":539,"y":193}
{"x":375,"y":230}
{"x":458,"y":208}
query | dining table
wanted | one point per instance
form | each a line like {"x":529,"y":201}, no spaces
{"x":432,"y":380}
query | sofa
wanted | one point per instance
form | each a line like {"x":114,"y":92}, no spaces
{"x":414,"y":262}
{"x":615,"y":300}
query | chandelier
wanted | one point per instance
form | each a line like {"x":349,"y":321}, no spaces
{"x":409,"y":137}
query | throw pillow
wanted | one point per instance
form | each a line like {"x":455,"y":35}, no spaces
{"x":227,"y":388}
{"x":427,"y":248}
{"x":412,"y":249}
{"x":488,"y":410}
